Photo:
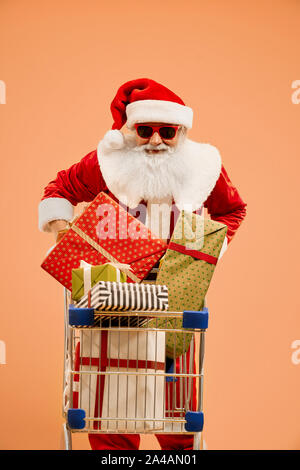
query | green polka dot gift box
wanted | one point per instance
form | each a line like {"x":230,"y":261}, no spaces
{"x":187,"y":269}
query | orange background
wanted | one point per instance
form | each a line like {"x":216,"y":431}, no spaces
{"x":233,"y":63}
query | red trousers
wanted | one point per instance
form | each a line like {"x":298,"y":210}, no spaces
{"x":166,"y":441}
{"x":132,"y":441}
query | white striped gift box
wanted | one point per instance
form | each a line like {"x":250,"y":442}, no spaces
{"x":112,"y":296}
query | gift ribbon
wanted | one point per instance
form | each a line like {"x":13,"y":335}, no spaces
{"x":130,"y":363}
{"x":119,"y":267}
{"x":194,"y":253}
{"x":103,"y":252}
{"x":87,"y":273}
{"x":87,"y":276}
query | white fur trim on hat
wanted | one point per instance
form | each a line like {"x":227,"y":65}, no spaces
{"x":113,"y":139}
{"x":54,"y":208}
{"x":158,"y":111}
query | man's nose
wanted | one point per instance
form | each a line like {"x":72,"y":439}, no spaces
{"x":155,"y":139}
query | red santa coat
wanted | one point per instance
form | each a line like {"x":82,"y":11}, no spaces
{"x":84,"y":180}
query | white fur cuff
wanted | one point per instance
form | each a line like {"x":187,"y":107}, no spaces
{"x":54,"y":208}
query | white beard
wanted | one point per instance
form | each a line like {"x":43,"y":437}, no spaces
{"x":186,"y":173}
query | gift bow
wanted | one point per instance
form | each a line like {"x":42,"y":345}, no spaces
{"x":87,"y":273}
{"x":126,"y":268}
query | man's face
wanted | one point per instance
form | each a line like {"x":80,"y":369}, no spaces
{"x":156,"y":144}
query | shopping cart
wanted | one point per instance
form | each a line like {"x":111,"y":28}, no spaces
{"x":134,"y":388}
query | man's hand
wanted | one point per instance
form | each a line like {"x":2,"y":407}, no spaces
{"x":58,"y":228}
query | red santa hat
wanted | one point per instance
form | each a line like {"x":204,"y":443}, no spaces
{"x":144,"y":100}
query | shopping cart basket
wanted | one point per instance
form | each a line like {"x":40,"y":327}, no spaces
{"x":118,"y":380}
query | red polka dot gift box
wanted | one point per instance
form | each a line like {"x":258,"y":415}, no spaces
{"x":105,"y":232}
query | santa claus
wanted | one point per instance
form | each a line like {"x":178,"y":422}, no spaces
{"x":153,"y":169}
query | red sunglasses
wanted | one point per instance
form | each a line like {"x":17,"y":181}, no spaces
{"x":165,"y":132}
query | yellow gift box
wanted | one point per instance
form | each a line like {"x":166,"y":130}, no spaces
{"x":85,"y":277}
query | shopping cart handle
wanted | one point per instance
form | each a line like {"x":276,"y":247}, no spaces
{"x":81,"y":316}
{"x":195,"y":320}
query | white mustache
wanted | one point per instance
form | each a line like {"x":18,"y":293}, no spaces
{"x":162,"y":146}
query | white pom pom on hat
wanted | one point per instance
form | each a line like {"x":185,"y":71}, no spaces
{"x":113,"y":139}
